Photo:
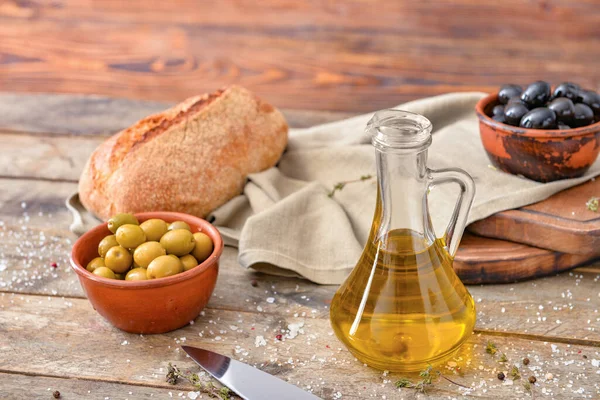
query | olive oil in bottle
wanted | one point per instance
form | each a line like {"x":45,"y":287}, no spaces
{"x":403,"y":307}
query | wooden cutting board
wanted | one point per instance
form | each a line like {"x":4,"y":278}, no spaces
{"x":485,"y":260}
{"x":560,"y":223}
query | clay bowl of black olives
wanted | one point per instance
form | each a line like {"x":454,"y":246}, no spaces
{"x":540,"y":132}
{"x":151,"y":272}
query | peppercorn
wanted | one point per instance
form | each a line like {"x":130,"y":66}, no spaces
{"x":254,"y":283}
{"x":501,"y":376}
{"x":532,"y":379}
{"x":584,"y":356}
{"x":278,"y":337}
{"x":56,"y":394}
{"x":526,"y":361}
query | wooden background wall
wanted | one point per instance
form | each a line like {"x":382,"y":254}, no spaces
{"x":353,"y":55}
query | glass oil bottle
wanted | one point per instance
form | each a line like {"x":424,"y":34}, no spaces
{"x":403,"y":307}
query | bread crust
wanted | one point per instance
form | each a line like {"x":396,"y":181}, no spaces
{"x":191,"y":158}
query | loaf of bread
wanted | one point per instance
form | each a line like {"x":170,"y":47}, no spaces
{"x":191,"y":158}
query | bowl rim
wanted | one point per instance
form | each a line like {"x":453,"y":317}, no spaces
{"x":533,"y":133}
{"x":153,"y":283}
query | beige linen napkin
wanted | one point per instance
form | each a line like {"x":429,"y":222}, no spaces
{"x":286,"y":224}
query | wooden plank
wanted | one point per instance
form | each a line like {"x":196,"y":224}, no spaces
{"x":560,"y":223}
{"x":32,"y":242}
{"x":58,"y":142}
{"x":25,"y":256}
{"x":20,"y":386}
{"x":353,"y":56}
{"x":97,"y":115}
{"x":352,"y":14}
{"x":314,"y":358}
{"x":43,"y":156}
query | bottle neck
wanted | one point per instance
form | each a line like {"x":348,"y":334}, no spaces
{"x":402,"y":195}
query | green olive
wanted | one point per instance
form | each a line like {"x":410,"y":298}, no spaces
{"x":179,"y":242}
{"x":121,"y":219}
{"x":164,"y":266}
{"x":106,"y":243}
{"x":104,"y":272}
{"x":154,"y":229}
{"x":203,"y":246}
{"x":118,"y":259}
{"x":95,"y":263}
{"x":188,"y":262}
{"x":120,"y":277}
{"x":130,"y":236}
{"x":146,"y":252}
{"x":136,"y":274}
{"x":179,"y":225}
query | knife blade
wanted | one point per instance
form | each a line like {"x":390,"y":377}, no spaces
{"x":248,"y":382}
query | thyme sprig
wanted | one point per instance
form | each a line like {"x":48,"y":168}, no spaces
{"x":491,"y":348}
{"x":514,"y":373}
{"x":593,"y":204}
{"x":528,"y":386}
{"x":340,"y":185}
{"x":428,"y":377}
{"x":174,"y":374}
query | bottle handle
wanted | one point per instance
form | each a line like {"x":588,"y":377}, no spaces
{"x":458,"y":221}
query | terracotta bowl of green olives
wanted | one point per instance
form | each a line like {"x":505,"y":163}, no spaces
{"x":151,"y":272}
{"x":539,"y":132}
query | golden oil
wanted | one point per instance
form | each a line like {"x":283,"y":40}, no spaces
{"x":403,"y":307}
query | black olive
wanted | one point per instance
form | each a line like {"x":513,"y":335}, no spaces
{"x":536,"y":94}
{"x":568,"y":90}
{"x":583,"y":115}
{"x":498,"y":109}
{"x":539,"y":118}
{"x":563,"y":107}
{"x":563,"y":126}
{"x":499,"y":118}
{"x":516,"y":99}
{"x":508,"y":91}
{"x":514,"y":112}
{"x":592,"y":99}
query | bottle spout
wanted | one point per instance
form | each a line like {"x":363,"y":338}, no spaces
{"x":400,"y":131}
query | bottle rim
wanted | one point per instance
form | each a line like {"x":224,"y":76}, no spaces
{"x":399,"y":130}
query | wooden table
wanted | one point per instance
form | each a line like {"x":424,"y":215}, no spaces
{"x":51,"y":338}
{"x":350,"y":55}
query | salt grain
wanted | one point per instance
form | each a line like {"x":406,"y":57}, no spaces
{"x":295,"y":329}
{"x":260,"y":341}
